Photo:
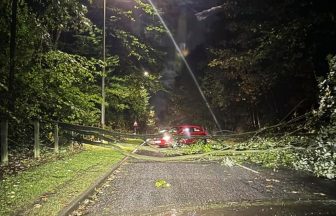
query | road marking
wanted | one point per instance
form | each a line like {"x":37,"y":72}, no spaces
{"x":249,"y":169}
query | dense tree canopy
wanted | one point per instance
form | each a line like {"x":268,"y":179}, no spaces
{"x":63,"y":37}
{"x":268,"y":56}
{"x":58,"y":62}
{"x":257,"y":61}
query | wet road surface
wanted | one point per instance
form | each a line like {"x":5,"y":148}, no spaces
{"x":209,"y":188}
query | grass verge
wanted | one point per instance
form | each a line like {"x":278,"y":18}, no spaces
{"x":48,"y":188}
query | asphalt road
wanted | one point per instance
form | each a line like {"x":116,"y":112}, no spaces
{"x":209,"y":188}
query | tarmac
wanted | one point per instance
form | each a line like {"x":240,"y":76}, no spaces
{"x":211,"y":188}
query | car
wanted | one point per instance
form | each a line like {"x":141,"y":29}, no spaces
{"x":182,"y":134}
{"x":157,"y":140}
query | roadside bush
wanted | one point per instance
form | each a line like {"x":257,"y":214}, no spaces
{"x":322,"y":158}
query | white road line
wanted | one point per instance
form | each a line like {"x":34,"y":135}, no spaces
{"x":249,"y":169}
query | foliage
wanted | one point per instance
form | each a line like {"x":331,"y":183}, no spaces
{"x":271,"y":159}
{"x":61,"y":87}
{"x":265,"y":143}
{"x":322,"y":158}
{"x":58,"y":17}
{"x":129,"y":38}
{"x":136,"y":48}
{"x":275,"y":152}
{"x":227,"y":162}
{"x":317,"y":154}
{"x":161,"y":183}
{"x":145,"y":7}
{"x":58,"y":67}
{"x":48,"y":83}
{"x":263,"y":57}
{"x":128,"y":97}
{"x":198,"y":148}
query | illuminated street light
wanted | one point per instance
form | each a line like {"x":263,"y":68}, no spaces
{"x":146,"y":73}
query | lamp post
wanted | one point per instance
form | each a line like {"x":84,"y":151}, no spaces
{"x":103,"y":76}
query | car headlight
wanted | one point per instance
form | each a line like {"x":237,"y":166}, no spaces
{"x":166,"y":138}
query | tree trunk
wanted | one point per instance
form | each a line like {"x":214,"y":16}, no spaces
{"x":12,"y":57}
{"x":253,"y":119}
{"x":37,"y":148}
{"x":57,"y":37}
{"x":4,"y":142}
{"x":258,"y":120}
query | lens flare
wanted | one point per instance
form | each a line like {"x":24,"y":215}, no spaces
{"x":186,"y":64}
{"x":166,"y":138}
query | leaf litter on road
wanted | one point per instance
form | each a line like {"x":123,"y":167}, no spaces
{"x":161,"y":183}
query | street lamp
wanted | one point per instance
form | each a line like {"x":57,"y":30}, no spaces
{"x":104,"y":67}
{"x":146,"y":73}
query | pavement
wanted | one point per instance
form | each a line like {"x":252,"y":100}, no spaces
{"x":211,"y":188}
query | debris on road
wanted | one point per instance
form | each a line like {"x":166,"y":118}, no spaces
{"x":160,"y":183}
